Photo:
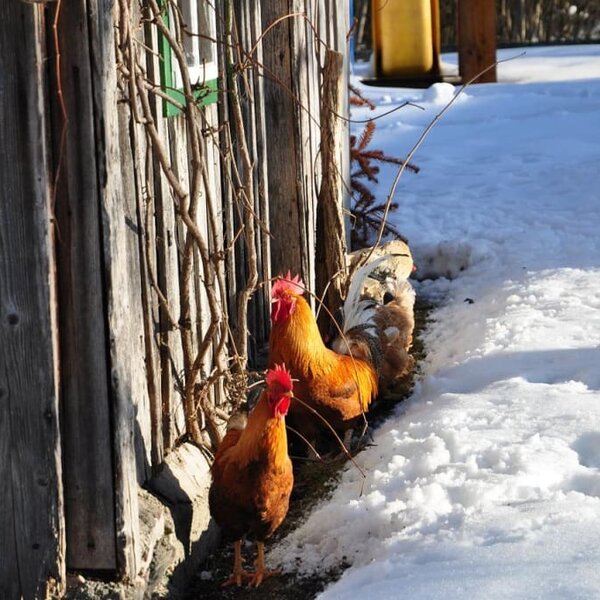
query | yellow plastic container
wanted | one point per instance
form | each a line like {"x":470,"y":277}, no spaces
{"x":406,"y":37}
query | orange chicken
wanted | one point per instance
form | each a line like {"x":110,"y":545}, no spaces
{"x":371,"y":355}
{"x":252,"y":475}
{"x":338,"y":387}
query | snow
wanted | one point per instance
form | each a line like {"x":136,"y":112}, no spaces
{"x":486,"y":482}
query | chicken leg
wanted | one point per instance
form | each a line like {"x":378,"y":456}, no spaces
{"x":238,"y":575}
{"x":261,"y":572}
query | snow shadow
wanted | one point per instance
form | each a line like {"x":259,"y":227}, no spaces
{"x":445,"y":259}
{"x":587,"y":447}
{"x":587,"y":482}
{"x":534,"y":366}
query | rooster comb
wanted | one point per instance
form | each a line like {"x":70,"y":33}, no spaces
{"x":279,"y":377}
{"x":285,"y":283}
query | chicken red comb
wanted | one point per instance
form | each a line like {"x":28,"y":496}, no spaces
{"x":279,"y":378}
{"x":285,"y":283}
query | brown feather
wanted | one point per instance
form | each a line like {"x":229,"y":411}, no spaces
{"x":252,"y":477}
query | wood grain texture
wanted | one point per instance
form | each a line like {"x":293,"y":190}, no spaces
{"x":477,"y":39}
{"x":167,"y":273}
{"x":215,"y":213}
{"x":89,"y":482}
{"x":129,"y":402}
{"x":339,"y":42}
{"x":248,"y":30}
{"x":31,"y":502}
{"x":331,"y":243}
{"x":305,"y":83}
{"x":285,"y":174}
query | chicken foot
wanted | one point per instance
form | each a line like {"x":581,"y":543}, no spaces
{"x":239,"y":575}
{"x":261,"y":572}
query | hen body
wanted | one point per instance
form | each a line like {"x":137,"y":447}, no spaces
{"x":339,"y":387}
{"x":252,"y":481}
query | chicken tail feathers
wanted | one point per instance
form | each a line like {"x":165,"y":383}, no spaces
{"x":356,"y":287}
{"x":378,"y":320}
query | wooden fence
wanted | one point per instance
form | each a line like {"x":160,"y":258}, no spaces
{"x":92,"y":369}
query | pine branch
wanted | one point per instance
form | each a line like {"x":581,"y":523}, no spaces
{"x":367,"y":216}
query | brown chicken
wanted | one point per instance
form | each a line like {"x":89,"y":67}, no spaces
{"x":252,"y":475}
{"x":371,"y":355}
{"x":338,"y":387}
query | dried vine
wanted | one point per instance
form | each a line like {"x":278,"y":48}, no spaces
{"x":200,"y":349}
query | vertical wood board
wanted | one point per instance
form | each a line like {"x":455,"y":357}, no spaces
{"x":120,"y":231}
{"x":167,"y":273}
{"x":88,"y":457}
{"x":31,"y":502}
{"x":330,"y":239}
{"x":285,"y":175}
{"x":178,"y":154}
{"x":477,"y":40}
{"x":306,"y":83}
{"x":248,"y":21}
{"x":214,"y":204}
{"x":339,"y":13}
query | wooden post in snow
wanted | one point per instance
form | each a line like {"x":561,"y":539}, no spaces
{"x":330,"y":240}
{"x":477,"y":39}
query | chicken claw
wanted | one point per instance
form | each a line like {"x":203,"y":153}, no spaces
{"x":239,"y":576}
{"x":261,"y":572}
{"x":238,"y":579}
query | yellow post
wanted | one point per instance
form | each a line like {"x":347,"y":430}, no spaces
{"x":405,"y":37}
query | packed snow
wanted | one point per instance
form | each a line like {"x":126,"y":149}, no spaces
{"x":486,"y":482}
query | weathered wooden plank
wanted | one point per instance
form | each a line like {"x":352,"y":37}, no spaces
{"x":31,"y":502}
{"x":202,"y":317}
{"x":331,"y":245}
{"x":261,"y":180}
{"x":149,"y":301}
{"x":253,"y":107}
{"x":285,"y":175}
{"x":89,"y":482}
{"x":135,"y":183}
{"x":338,"y":12}
{"x":305,"y":85}
{"x":178,"y":148}
{"x":477,"y":40}
{"x":229,"y":213}
{"x":200,"y":310}
{"x":216,"y":214}
{"x":120,"y":246}
{"x":136,"y":179}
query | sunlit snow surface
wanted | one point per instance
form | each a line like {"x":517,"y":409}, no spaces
{"x":486,"y":483}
